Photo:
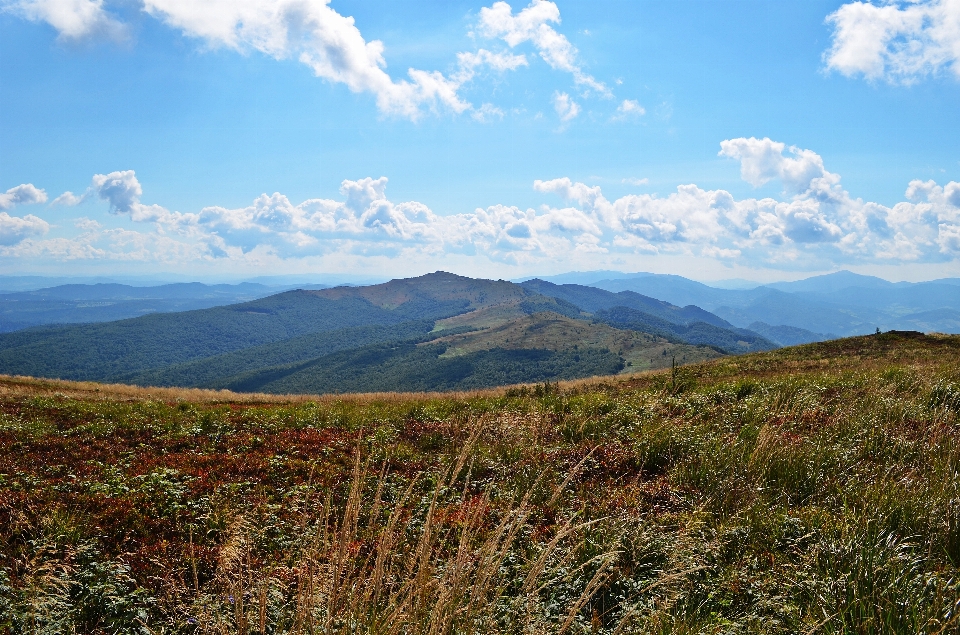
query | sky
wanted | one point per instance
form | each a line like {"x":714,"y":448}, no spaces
{"x":715,"y":139}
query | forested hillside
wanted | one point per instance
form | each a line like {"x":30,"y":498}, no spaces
{"x":105,"y":302}
{"x":401,"y":335}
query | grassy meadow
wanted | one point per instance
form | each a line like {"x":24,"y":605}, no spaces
{"x":813,"y":489}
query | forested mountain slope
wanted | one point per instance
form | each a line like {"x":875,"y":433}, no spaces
{"x":438,"y":331}
{"x":105,"y":302}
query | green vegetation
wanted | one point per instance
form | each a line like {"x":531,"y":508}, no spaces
{"x":333,"y":339}
{"x":224,"y":369}
{"x":409,"y":367}
{"x":111,"y":351}
{"x":730,"y":340}
{"x":812,"y":489}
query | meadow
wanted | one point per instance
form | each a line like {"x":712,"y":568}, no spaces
{"x":813,"y":489}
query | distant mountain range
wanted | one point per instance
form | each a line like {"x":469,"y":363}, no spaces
{"x":837,"y":304}
{"x":439,"y":331}
{"x":103,"y":302}
{"x":435,"y":332}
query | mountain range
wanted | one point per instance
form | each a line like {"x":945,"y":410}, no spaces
{"x":832,"y":305}
{"x":439,"y":331}
{"x":435,"y":332}
{"x":107,"y":301}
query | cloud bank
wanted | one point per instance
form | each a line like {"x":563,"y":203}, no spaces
{"x":899,"y":42}
{"x":815,"y":223}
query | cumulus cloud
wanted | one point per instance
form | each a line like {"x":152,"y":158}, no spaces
{"x":814,"y":220}
{"x":69,"y":199}
{"x":122,"y":190}
{"x":532,"y":24}
{"x":73,"y":19}
{"x":566,"y":108}
{"x":899,"y":42}
{"x":25,"y":194}
{"x":762,"y":160}
{"x":14,"y":229}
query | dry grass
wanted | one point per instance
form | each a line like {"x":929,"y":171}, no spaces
{"x":814,"y":489}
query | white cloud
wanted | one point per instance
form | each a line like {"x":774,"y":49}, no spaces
{"x":532,"y":24}
{"x":14,"y":229}
{"x":69,"y":199}
{"x":73,"y":19}
{"x":566,"y":108}
{"x":310,"y":30}
{"x":331,"y":44}
{"x":25,"y":194}
{"x":815,"y":222}
{"x":630,"y":109}
{"x":762,"y":160}
{"x":635,"y":181}
{"x":121,"y":189}
{"x":899,"y":42}
{"x":470,"y":62}
{"x":487,"y":113}
{"x":307,"y":30}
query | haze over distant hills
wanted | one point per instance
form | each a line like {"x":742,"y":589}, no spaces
{"x":841,"y":303}
{"x":103,"y":302}
{"x":435,"y":332}
{"x":438,"y":331}
{"x":787,"y":313}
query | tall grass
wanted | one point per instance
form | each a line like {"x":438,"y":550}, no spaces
{"x":382,"y":561}
{"x":801,"y":491}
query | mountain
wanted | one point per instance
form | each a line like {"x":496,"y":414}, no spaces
{"x":832,"y":282}
{"x":841,"y":303}
{"x":104,"y":302}
{"x":584,"y":277}
{"x":111,"y":351}
{"x":593,"y":299}
{"x":941,"y":320}
{"x":731,"y":340}
{"x":438,"y":331}
{"x":789,"y":335}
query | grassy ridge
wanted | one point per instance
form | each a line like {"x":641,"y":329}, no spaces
{"x":812,"y":489}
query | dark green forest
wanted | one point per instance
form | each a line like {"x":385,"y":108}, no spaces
{"x":374,"y":338}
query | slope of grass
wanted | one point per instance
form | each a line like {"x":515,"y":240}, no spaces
{"x":642,"y":351}
{"x":811,"y":489}
{"x":221,"y":369}
{"x":406,"y":366}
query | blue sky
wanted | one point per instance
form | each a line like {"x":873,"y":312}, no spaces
{"x":762,"y":140}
